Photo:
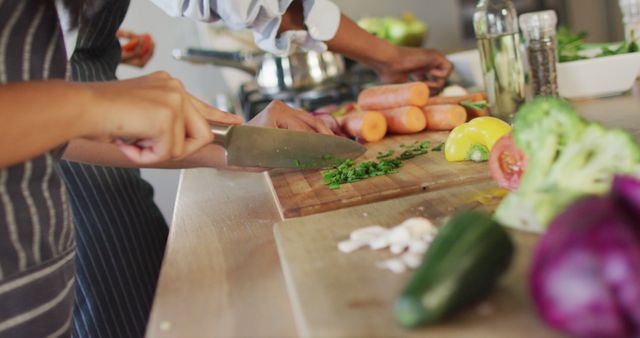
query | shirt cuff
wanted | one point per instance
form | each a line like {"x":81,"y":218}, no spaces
{"x":322,"y":18}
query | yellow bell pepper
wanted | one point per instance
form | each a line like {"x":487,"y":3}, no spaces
{"x":474,"y":139}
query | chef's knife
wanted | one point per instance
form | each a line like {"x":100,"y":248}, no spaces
{"x":249,"y":146}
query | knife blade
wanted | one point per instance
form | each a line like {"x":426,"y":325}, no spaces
{"x":250,"y":146}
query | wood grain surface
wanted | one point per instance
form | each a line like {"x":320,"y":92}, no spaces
{"x":221,"y":275}
{"x":345,"y":295}
{"x":300,"y":193}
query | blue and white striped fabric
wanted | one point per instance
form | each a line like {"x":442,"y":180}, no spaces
{"x":36,"y":235}
{"x":120,"y":233}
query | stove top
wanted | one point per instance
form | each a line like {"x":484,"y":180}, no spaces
{"x":344,"y":89}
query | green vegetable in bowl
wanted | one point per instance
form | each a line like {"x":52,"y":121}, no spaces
{"x":571,"y":46}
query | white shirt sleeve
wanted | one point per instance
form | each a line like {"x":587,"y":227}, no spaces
{"x":263,"y":17}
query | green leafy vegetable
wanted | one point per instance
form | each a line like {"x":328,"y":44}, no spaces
{"x":385,"y":155}
{"x":438,"y":147}
{"x":475,"y":105}
{"x":570,"y":46}
{"x":348,"y":171}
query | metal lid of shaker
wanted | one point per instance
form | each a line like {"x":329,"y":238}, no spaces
{"x":630,"y":9}
{"x":495,"y":17}
{"x":539,"y":25}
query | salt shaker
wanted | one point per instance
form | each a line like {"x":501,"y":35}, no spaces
{"x":539,"y":30}
{"x":631,"y":18}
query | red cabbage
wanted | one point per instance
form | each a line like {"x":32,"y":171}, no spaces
{"x":585,"y":275}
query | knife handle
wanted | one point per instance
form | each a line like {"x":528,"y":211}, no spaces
{"x":219,"y":133}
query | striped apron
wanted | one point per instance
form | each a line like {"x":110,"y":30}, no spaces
{"x":36,"y":235}
{"x":120,"y":233}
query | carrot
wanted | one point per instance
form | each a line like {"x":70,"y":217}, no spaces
{"x":444,"y":116}
{"x":370,"y":126}
{"x":394,"y":96}
{"x":473,"y":97}
{"x":472,"y":112}
{"x":405,"y":120}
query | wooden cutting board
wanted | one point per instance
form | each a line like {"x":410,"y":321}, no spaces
{"x":301,"y":193}
{"x":345,"y":295}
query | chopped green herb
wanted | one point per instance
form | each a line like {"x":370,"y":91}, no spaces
{"x":385,"y":155}
{"x":476,"y":105}
{"x":297,"y":163}
{"x":348,"y":171}
{"x":327,"y":157}
{"x":406,"y":155}
{"x":438,"y":147}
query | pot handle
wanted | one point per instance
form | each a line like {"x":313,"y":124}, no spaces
{"x":247,"y":62}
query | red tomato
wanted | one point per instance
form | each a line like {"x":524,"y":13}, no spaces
{"x":507,"y":163}
{"x":131,"y":45}
{"x":146,"y":45}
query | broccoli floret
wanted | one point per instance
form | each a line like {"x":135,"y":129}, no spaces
{"x":567,"y":158}
{"x":532,"y":211}
{"x":541,"y":129}
{"x":589,"y":163}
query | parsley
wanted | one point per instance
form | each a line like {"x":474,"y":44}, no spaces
{"x":348,"y":171}
{"x":385,"y":155}
{"x":438,"y":147}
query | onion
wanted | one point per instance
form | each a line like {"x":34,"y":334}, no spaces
{"x":585,"y":275}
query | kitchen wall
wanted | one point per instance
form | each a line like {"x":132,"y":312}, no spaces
{"x":443,"y":17}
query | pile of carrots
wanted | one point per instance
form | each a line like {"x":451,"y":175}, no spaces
{"x":405,"y":109}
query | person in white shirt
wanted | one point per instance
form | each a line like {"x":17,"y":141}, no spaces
{"x":279,"y":25}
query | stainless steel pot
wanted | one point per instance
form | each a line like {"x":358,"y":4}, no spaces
{"x":297,"y":71}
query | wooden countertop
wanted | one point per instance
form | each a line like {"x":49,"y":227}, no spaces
{"x":221,"y":275}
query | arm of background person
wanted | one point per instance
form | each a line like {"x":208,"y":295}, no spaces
{"x":393,"y":63}
{"x":316,"y":25}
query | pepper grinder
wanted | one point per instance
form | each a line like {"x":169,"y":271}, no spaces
{"x":539,"y":30}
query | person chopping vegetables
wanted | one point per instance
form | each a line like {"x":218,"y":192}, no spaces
{"x":44,"y":116}
{"x":90,"y":147}
{"x":101,"y":310}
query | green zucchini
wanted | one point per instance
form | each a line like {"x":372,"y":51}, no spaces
{"x":461,"y":267}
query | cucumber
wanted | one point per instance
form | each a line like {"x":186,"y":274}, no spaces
{"x":461,"y":267}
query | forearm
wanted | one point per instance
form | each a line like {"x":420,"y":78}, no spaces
{"x":356,"y":43}
{"x":107,"y":154}
{"x":349,"y":40}
{"x":38,"y":116}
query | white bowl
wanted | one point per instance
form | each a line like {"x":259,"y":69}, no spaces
{"x":598,"y":77}
{"x":467,"y":67}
